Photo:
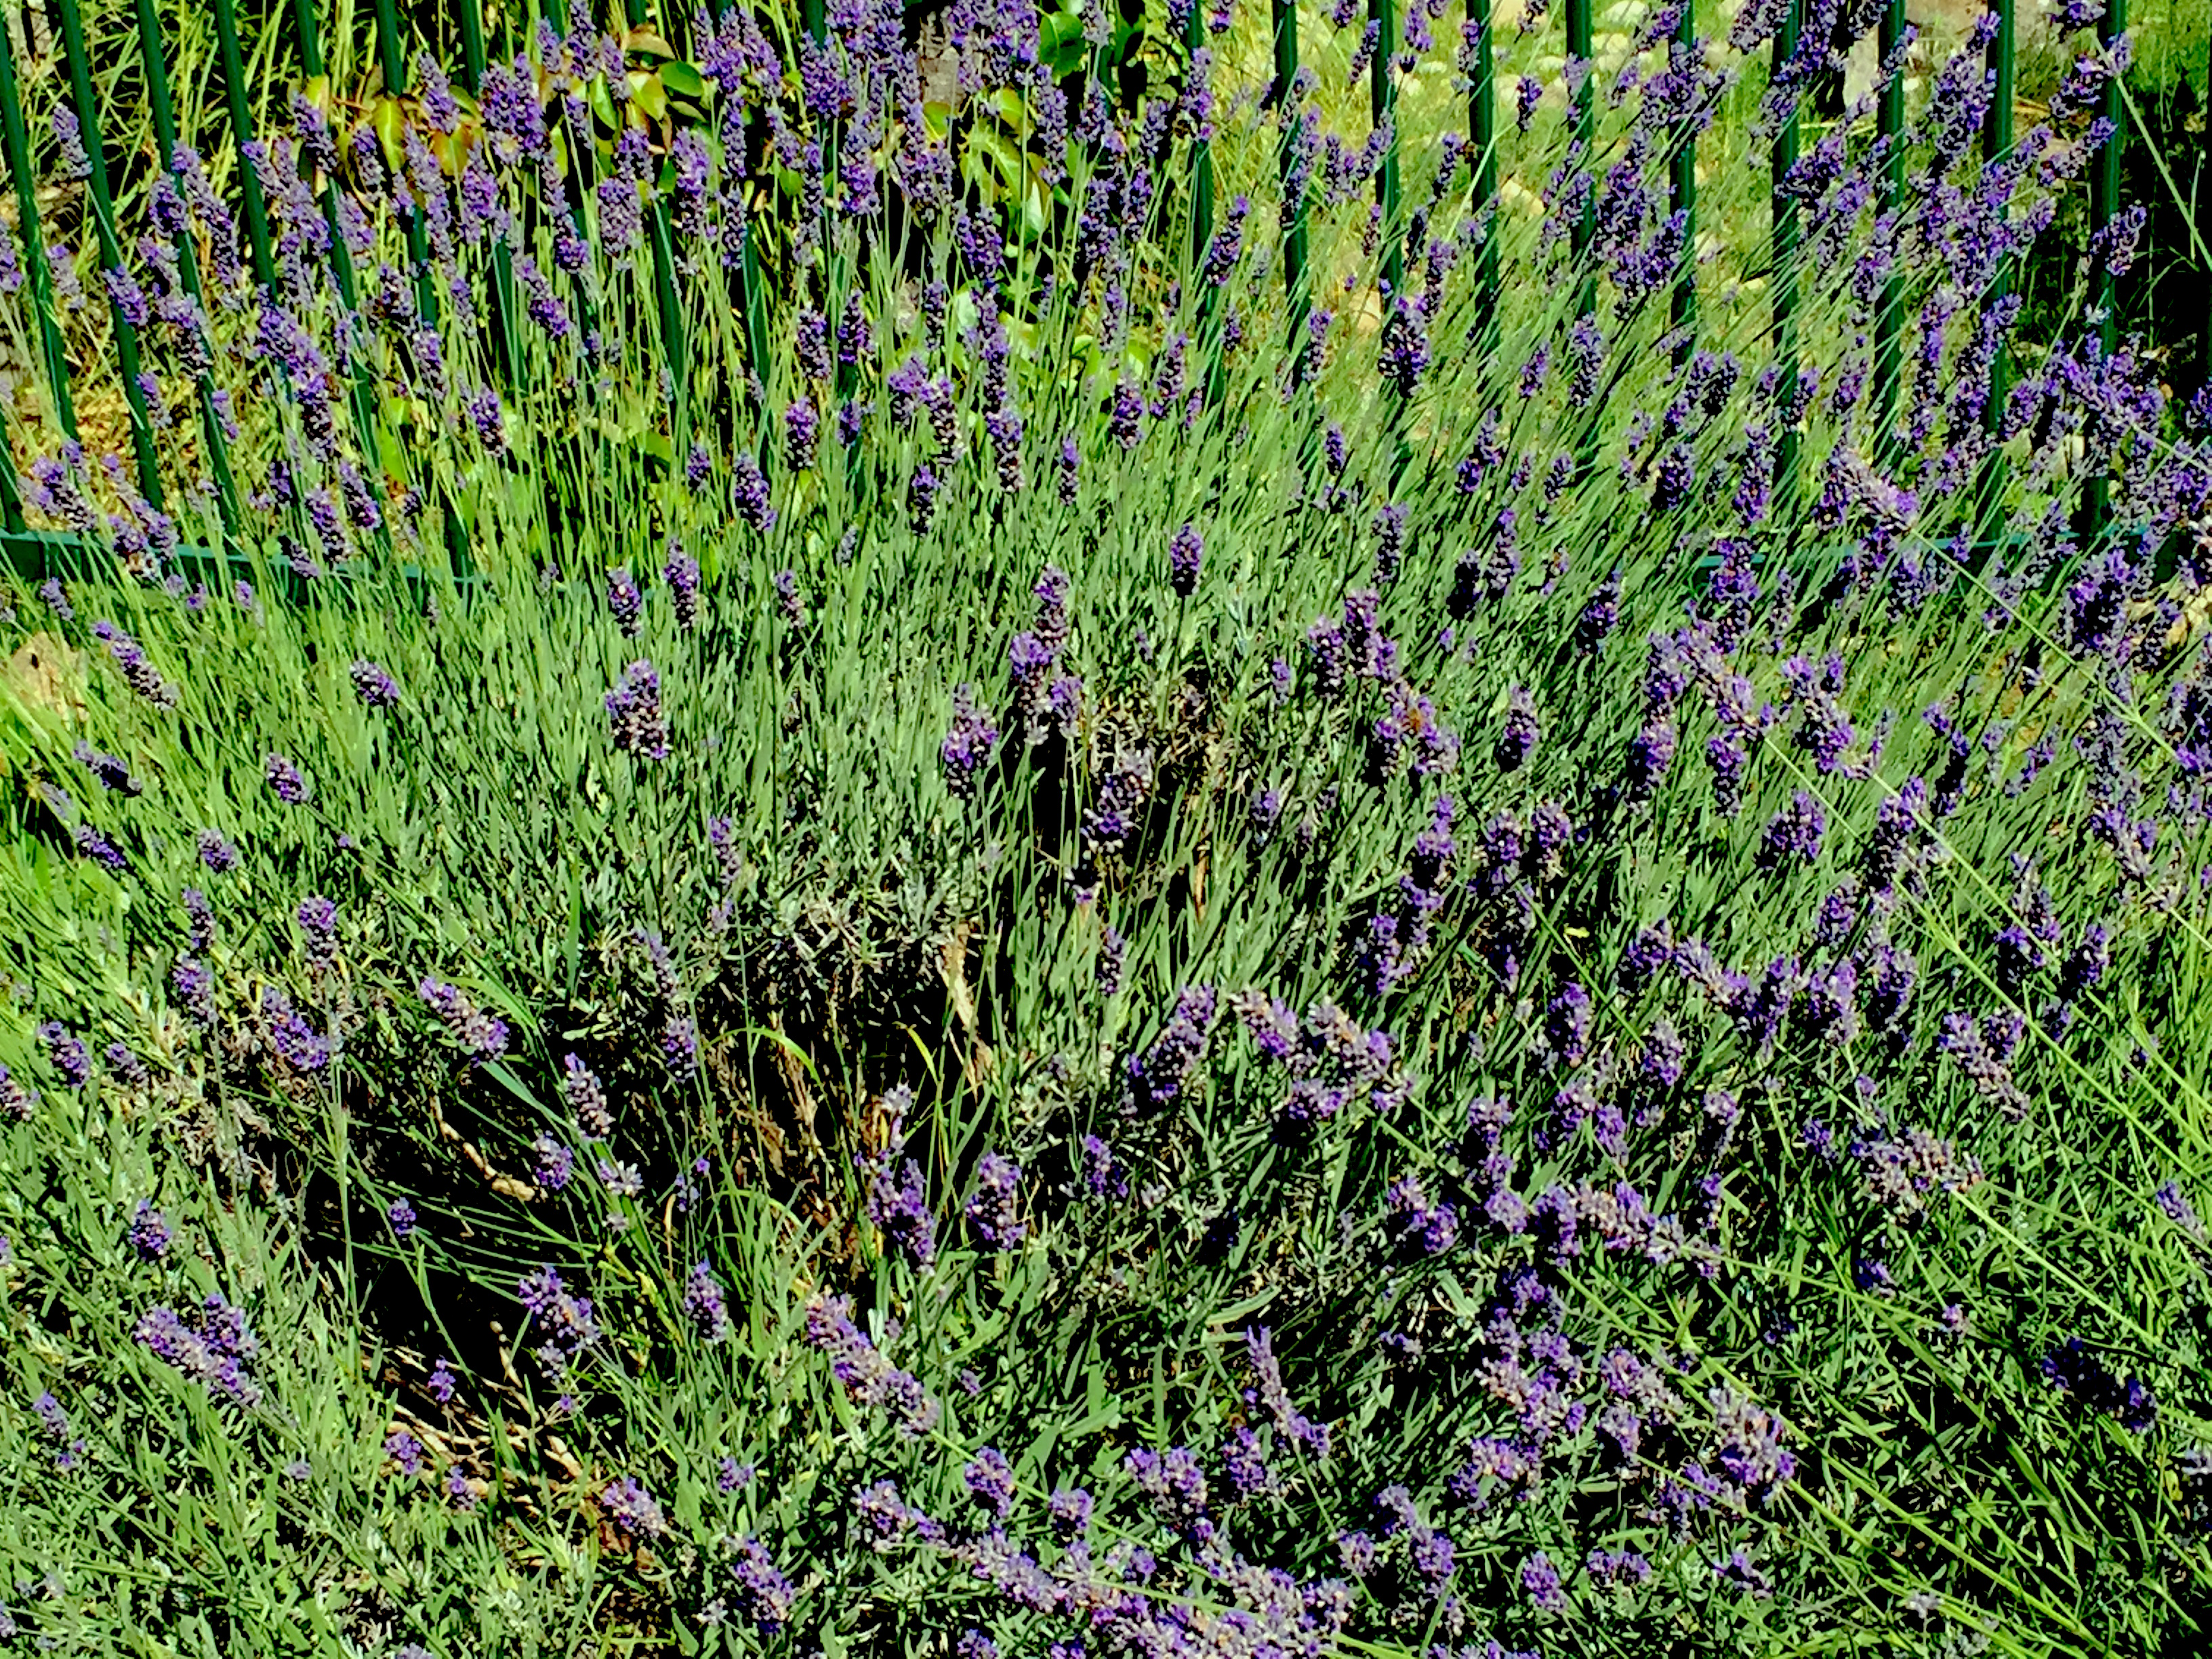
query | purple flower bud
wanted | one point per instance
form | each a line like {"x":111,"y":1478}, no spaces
{"x":375,"y":688}
{"x":1186,"y":549}
{"x":149,"y":1234}
{"x":634,"y":712}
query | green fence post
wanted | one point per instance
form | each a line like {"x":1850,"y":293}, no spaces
{"x":752,"y":305}
{"x":664,"y":270}
{"x":241,"y":134}
{"x":18,"y":144}
{"x":1202,"y":157}
{"x":111,"y":245}
{"x":1296,"y":288}
{"x":472,"y":45}
{"x":1889,"y":321}
{"x":1382,"y":106}
{"x":364,"y":390}
{"x":1482,"y":138}
{"x":2104,"y":208}
{"x":1584,"y":114}
{"x":157,"y":66}
{"x":1201,"y":224}
{"x":1784,"y":215}
{"x":393,"y":63}
{"x":1683,"y":181}
{"x":1996,"y":146}
{"x":504,"y":308}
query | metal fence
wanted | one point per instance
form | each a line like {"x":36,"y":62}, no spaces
{"x":39,"y":553}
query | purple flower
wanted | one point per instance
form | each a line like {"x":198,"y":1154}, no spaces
{"x":1795,"y":832}
{"x":991,"y":1211}
{"x":868,"y":1378}
{"x":400,"y":1217}
{"x":319,"y":922}
{"x":702,"y":1300}
{"x":898,"y":1205}
{"x":555,"y":1165}
{"x":1539,"y":1582}
{"x":214,"y":1348}
{"x":405,"y":1451}
{"x":112,"y":773}
{"x":968,"y":745}
{"x":218,"y":854}
{"x":66,"y":1054}
{"x":766,"y":1596}
{"x":681,"y":573}
{"x":750,"y":494}
{"x":1516,"y":739}
{"x":100,"y":850}
{"x":634,"y":712}
{"x":564,"y":1324}
{"x":1185,"y":551}
{"x":2176,"y":1207}
{"x":789,"y":599}
{"x":2081,"y":1378}
{"x":1103,"y":1175}
{"x":679,"y":1048}
{"x":624,"y":601}
{"x":1613,"y":1567}
{"x":15,"y":1100}
{"x":138,"y":673}
{"x":1269,"y":1394}
{"x":1567,"y":1024}
{"x":375,"y":688}
{"x":587,"y":1098}
{"x":1739,"y":1571}
{"x":990,"y":1478}
{"x":486,"y":414}
{"x":482,"y":1036}
{"x":1070,"y":1510}
{"x":632,"y":1508}
{"x":150,"y":1233}
{"x":1175,"y":1484}
{"x":285,"y":779}
{"x":1164,"y":1071}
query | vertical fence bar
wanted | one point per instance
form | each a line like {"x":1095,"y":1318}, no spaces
{"x":472,"y":45}
{"x":1382,"y":106}
{"x":672,"y":342}
{"x":111,"y":245}
{"x":364,"y":391}
{"x":18,"y":143}
{"x":1202,"y":221}
{"x":1296,"y":288}
{"x":241,"y":134}
{"x":2104,"y":208}
{"x":1996,"y":146}
{"x":1785,"y":212}
{"x":157,"y":66}
{"x":1889,"y":322}
{"x":1482,"y":139}
{"x":1683,"y":193}
{"x":1581,"y":95}
{"x":392,"y":64}
{"x":503,"y":262}
{"x":750,"y":303}
{"x":1201,"y":156}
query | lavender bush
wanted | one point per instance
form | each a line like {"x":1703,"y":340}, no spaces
{"x":1070,"y":965}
